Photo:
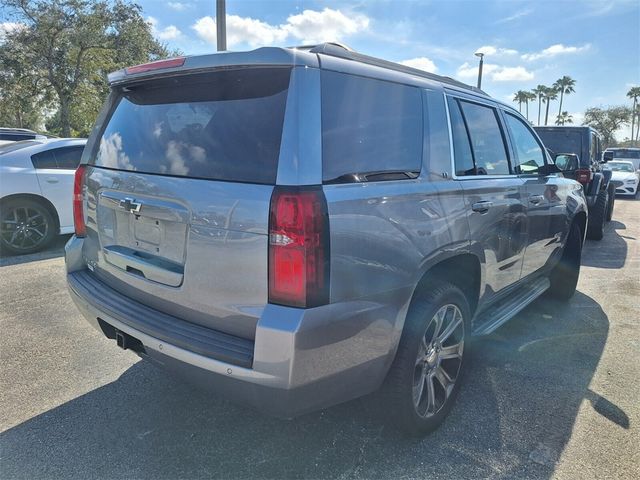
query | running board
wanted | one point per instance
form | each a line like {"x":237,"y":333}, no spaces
{"x":495,"y":316}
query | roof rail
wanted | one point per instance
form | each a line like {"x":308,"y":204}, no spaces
{"x":339,"y":50}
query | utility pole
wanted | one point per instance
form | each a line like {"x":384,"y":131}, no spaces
{"x":221,"y":25}
{"x":481,"y":55}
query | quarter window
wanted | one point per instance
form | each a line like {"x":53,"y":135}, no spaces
{"x":487,"y":142}
{"x":370,"y":127}
{"x":67,"y":158}
{"x":529,"y":154}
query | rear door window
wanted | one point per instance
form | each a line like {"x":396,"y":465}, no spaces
{"x":487,"y":142}
{"x":370,"y":126}
{"x":461,"y":143}
{"x":223,"y":126}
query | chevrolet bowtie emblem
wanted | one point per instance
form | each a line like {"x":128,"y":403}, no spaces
{"x":130,"y":205}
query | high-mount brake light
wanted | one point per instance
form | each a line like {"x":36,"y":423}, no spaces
{"x":78,"y":201}
{"x":158,"y":65}
{"x":298,"y":247}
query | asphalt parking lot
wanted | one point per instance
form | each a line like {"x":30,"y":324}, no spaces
{"x":553,"y":394}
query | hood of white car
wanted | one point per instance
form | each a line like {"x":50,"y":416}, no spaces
{"x":623,"y":176}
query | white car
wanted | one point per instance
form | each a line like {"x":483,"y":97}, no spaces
{"x":624,"y":176}
{"x":36,"y":189}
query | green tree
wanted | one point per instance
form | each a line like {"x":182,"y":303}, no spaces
{"x":539,"y":92}
{"x":550,"y":93}
{"x":564,"y":86}
{"x":68,"y":46}
{"x":564,"y":118}
{"x":634,"y":95}
{"x":607,"y":121}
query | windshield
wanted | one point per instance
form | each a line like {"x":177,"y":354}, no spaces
{"x":620,"y":167}
{"x":223,"y":126}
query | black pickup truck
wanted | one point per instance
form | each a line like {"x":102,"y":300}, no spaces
{"x":585,"y":143}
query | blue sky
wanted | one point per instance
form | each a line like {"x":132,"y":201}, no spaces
{"x":526,"y":42}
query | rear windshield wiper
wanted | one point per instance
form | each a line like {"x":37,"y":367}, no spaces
{"x":373,"y":177}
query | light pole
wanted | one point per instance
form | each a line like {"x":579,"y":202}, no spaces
{"x":481,"y":55}
{"x":221,"y":25}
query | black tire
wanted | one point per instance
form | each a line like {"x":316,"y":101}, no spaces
{"x":417,"y":360}
{"x":564,"y":276}
{"x":612,"y":200}
{"x":26,"y":226}
{"x":597,"y":216}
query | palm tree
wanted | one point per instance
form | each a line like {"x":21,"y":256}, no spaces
{"x":539,"y":93}
{"x":564,"y":118}
{"x":634,"y":94}
{"x":521,"y":97}
{"x":550,"y":94}
{"x":564,"y":86}
{"x":531,"y":97}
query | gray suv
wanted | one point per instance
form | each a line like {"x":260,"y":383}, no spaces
{"x":300,"y":227}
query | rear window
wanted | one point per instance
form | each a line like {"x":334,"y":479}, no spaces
{"x":562,"y":142}
{"x":369,"y":126}
{"x":223,"y":126}
{"x":635,"y":154}
{"x":12,"y":147}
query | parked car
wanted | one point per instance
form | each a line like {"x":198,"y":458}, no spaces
{"x":8,"y":135}
{"x":625,"y":176}
{"x":630,"y":154}
{"x":35,"y":192}
{"x":585,"y":143}
{"x":300,"y":227}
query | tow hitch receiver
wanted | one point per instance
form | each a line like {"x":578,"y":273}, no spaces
{"x":127,"y":342}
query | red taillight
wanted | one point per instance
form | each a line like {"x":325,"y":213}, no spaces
{"x":159,"y":65}
{"x":298,"y":247}
{"x":583,"y":176}
{"x":78,"y":203}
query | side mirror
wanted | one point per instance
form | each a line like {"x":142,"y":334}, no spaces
{"x":606,"y":156}
{"x":567,"y":162}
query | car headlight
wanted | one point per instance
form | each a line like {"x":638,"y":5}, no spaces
{"x":631,"y":182}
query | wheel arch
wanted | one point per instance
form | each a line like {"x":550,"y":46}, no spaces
{"x":36,"y":198}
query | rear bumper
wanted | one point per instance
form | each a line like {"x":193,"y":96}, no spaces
{"x":301,"y":360}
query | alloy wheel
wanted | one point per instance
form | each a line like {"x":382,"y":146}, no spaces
{"x":24,"y":228}
{"x":438,"y":361}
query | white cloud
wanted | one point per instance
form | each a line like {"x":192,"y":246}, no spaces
{"x":516,"y":16}
{"x":168,"y":33}
{"x":310,"y":26}
{"x":241,"y":30}
{"x":496,"y":51}
{"x":178,"y":6}
{"x":497,"y":73}
{"x":9,"y":27}
{"x":421,"y":63}
{"x":511,"y":74}
{"x":553,"y":50}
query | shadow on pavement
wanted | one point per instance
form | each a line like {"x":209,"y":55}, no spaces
{"x":55,"y":250}
{"x":513,"y":418}
{"x":615,"y":255}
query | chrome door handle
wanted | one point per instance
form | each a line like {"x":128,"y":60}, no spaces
{"x":52,"y":180}
{"x":536,"y":199}
{"x":481,"y":207}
